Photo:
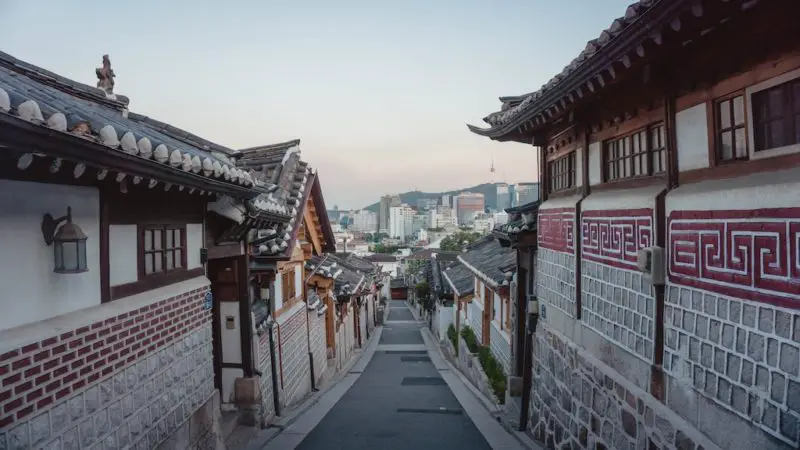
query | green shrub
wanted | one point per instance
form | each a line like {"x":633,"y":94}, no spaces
{"x":470,"y":339}
{"x":452,"y":334}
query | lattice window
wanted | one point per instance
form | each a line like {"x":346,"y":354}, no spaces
{"x":163,"y":249}
{"x":562,"y":172}
{"x":776,"y":116}
{"x":731,"y":128}
{"x":639,"y":154}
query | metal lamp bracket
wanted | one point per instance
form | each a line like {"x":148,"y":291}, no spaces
{"x":50,"y":225}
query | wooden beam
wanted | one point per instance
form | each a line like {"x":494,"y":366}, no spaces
{"x":315,"y":236}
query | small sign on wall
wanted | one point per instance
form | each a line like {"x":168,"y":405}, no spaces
{"x":208,"y":303}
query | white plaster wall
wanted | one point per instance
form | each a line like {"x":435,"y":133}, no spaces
{"x":445,"y":318}
{"x":578,"y":167}
{"x":497,"y":309}
{"x":761,"y":190}
{"x":194,"y":242}
{"x":594,"y":164}
{"x":231,"y":338}
{"x":691,"y":128}
{"x":229,"y":376}
{"x":622,"y":199}
{"x":278,"y":292}
{"x":298,"y":279}
{"x":122,"y":254}
{"x":30,"y":288}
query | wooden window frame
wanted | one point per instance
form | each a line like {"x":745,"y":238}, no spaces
{"x":562,"y":180}
{"x":288,"y":284}
{"x":147,"y":282}
{"x":717,"y":128}
{"x":789,"y":118}
{"x":624,"y":163}
{"x":163,"y":250}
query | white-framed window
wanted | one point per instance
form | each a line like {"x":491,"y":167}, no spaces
{"x":773,"y":116}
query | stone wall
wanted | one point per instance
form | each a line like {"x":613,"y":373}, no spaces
{"x":133,"y":379}
{"x":500,"y":345}
{"x":319,"y":349}
{"x":265,"y":380}
{"x":736,"y":355}
{"x":468,"y":364}
{"x":619,"y":305}
{"x":475,"y":318}
{"x":295,"y":375}
{"x":579,"y":402}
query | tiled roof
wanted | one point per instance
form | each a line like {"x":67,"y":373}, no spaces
{"x":397,"y":283}
{"x":437,"y":282}
{"x":429,"y":253}
{"x":460,"y":279}
{"x":65,"y":106}
{"x":380,"y":258}
{"x":487,"y":256}
{"x":346,"y":280}
{"x":523,"y":218}
{"x":356,"y":262}
{"x":279,"y":165}
{"x":593,"y":60}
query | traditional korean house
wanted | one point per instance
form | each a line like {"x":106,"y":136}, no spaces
{"x":668,"y":230}
{"x":289,"y":348}
{"x":519,"y":233}
{"x":492,"y":267}
{"x":398,"y":288}
{"x":462,"y":283}
{"x":348,"y":284}
{"x":107,"y":336}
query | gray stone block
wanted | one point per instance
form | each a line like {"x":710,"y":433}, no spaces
{"x":766,"y":318}
{"x":778,"y":387}
{"x":749,"y":313}
{"x":755,"y":346}
{"x":790,"y":359}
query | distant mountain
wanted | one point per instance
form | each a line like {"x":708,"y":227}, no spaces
{"x":489,"y":191}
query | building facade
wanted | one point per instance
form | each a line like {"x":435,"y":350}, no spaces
{"x":469,"y":204}
{"x":665,"y":267}
{"x":503,"y":196}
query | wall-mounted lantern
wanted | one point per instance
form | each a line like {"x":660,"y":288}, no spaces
{"x":68,"y":241}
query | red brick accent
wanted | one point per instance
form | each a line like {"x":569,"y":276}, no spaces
{"x":751,"y":254}
{"x":556,"y":229}
{"x":614,"y":237}
{"x":38,"y":374}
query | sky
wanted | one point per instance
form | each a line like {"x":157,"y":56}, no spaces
{"x":378,"y":91}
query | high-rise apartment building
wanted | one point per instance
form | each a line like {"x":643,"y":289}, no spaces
{"x":469,"y":205}
{"x":527,"y":193}
{"x":503,"y":196}
{"x":383,"y":214}
{"x":364,"y":220}
{"x":400,"y":221}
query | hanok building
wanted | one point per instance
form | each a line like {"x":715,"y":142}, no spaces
{"x":289,"y":353}
{"x":668,"y":232}
{"x":108,"y":333}
{"x":489,"y":313}
{"x":462,"y":283}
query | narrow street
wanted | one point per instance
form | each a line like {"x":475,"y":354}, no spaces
{"x":402,"y":397}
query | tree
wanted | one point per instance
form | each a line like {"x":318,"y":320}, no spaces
{"x":459,"y":240}
{"x":385,"y":249}
{"x":423,"y":291}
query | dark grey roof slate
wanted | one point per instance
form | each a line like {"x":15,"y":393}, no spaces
{"x":487,"y":256}
{"x":42,"y":97}
{"x":460,"y":279}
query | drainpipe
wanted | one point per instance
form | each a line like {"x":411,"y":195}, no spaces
{"x":273,"y":366}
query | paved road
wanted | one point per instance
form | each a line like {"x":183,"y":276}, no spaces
{"x":400,"y":401}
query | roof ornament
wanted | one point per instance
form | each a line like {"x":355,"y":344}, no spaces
{"x":105,"y":77}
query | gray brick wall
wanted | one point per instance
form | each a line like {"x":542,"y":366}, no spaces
{"x":294,"y":355}
{"x":475,"y":319}
{"x":318,"y":343}
{"x":619,"y":304}
{"x":555,"y":280}
{"x":140,"y":406}
{"x":265,"y":382}
{"x":500,"y":346}
{"x":742,"y":355}
{"x":578,"y":402}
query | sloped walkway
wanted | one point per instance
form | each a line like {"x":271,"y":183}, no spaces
{"x":399,"y":400}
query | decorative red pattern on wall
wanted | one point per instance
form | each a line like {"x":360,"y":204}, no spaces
{"x":555,"y":228}
{"x":614,"y":237}
{"x":36,"y":375}
{"x":751,"y":254}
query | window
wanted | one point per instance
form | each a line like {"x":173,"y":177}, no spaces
{"x":163,"y":249}
{"x":639,"y":154}
{"x":731,"y":140}
{"x":562,"y":172}
{"x":287,"y":281}
{"x":776,"y":116}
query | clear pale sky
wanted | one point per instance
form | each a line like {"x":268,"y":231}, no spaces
{"x":379,"y":91}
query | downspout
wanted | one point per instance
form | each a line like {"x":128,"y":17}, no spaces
{"x":276,"y":401}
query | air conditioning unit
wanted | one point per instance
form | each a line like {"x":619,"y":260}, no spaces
{"x":650,"y":261}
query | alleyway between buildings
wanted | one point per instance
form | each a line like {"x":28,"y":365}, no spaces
{"x":400,"y":395}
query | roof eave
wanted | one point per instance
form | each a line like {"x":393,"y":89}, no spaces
{"x":74,"y":148}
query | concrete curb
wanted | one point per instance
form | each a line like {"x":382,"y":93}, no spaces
{"x":353,"y":369}
{"x":443,"y":364}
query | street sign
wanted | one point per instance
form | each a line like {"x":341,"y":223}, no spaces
{"x":208,"y":302}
